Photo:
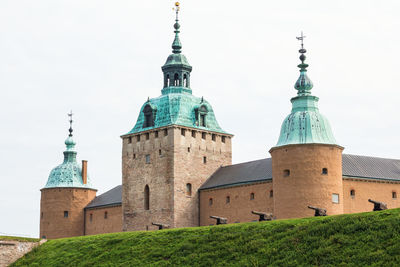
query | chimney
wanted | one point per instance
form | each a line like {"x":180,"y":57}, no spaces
{"x":84,"y":171}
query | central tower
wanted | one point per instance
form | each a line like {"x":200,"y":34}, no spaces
{"x":175,"y":145}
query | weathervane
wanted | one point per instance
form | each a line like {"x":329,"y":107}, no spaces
{"x":70,"y":123}
{"x":302,"y":50}
{"x":176,"y":9}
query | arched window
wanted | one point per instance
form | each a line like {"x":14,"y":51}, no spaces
{"x":271,"y":193}
{"x":189,"y":189}
{"x":202,"y":114}
{"x":228,"y":199}
{"x":210,"y":201}
{"x":394,"y":194}
{"x":185,"y":84}
{"x":176,"y":79}
{"x":251,"y":196}
{"x":352,"y":193}
{"x":148,"y":116}
{"x":146,"y":197}
{"x":105,"y":215}
{"x":167,"y":81}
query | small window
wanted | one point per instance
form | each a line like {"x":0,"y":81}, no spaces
{"x":105,"y":215}
{"x":91,"y":217}
{"x":138,"y":138}
{"x":213,"y":137}
{"x":129,"y":140}
{"x":203,"y":135}
{"x":41,"y":215}
{"x":223,"y":139}
{"x":286,"y":173}
{"x":202,"y":120}
{"x":156,"y":134}
{"x":335,"y":198}
{"x":147,"y":136}
{"x":134,"y":156}
{"x":194,"y":134}
{"x":394,"y":194}
{"x":65,"y":214}
{"x":189,"y":149}
{"x":271,"y":193}
{"x":228,"y":199}
{"x":210,"y":202}
{"x":183,"y":132}
{"x":159,"y":152}
{"x":165,"y":132}
{"x":251,"y":196}
{"x":188,"y":190}
{"x":146,"y":197}
{"x":324,"y":171}
{"x":352,"y":193}
{"x":147,"y":158}
{"x":204,"y":160}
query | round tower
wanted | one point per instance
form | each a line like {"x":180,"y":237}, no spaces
{"x":63,"y":199}
{"x":306,"y":162}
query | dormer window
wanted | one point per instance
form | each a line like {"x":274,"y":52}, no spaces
{"x":148,"y":116}
{"x":201,"y":116}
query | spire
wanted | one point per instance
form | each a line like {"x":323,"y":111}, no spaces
{"x":176,"y":45}
{"x":303,"y":83}
{"x":69,"y":142}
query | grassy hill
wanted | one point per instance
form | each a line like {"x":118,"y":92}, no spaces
{"x":367,"y":239}
{"x":17,"y":238}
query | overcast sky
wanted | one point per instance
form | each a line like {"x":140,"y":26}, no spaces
{"x":102,"y":59}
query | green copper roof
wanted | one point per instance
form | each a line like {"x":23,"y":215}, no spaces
{"x":176,"y":105}
{"x":305,"y":125}
{"x":69,"y":173}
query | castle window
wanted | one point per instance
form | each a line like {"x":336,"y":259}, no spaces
{"x":228,"y":199}
{"x":129,"y":140}
{"x":286,"y":173}
{"x":105,"y":215}
{"x":183,"y":132}
{"x":251,"y":196}
{"x":146,"y":197}
{"x":65,"y":214}
{"x":394,"y":194}
{"x":138,"y":138}
{"x":352,"y":193}
{"x":188,"y":190}
{"x":271,"y":193}
{"x":203,"y":120}
{"x":210,"y":202}
{"x":223,"y":139}
{"x":324,"y":171}
{"x":165,"y":132}
{"x":148,"y":158}
{"x":134,"y":156}
{"x":213,"y":137}
{"x":91,"y":217}
{"x":189,"y":149}
{"x":194,"y":134}
{"x":147,"y":136}
{"x":203,"y":135}
{"x":204,"y":160}
{"x":156,"y":134}
{"x":335,"y":198}
{"x":148,"y":116}
{"x":185,"y":81}
{"x":167,"y":81}
{"x":159,"y":152}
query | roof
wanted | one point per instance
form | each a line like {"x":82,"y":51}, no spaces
{"x":109,"y":198}
{"x":261,"y":170}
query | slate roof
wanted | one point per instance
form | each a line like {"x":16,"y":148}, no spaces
{"x":110,"y":198}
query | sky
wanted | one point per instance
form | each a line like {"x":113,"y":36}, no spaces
{"x":102,"y":59}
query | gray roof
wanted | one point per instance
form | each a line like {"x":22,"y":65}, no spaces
{"x":261,"y":170}
{"x":110,"y":198}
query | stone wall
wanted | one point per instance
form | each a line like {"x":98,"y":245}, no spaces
{"x":10,"y":251}
{"x":239,"y":205}
{"x":365,"y":189}
{"x":103,"y":220}
{"x":54,"y":202}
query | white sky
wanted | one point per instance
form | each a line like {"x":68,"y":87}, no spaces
{"x":102,"y":59}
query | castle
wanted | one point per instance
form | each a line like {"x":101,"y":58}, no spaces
{"x":177,"y":168}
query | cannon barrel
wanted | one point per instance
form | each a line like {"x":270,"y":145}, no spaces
{"x":318,"y":211}
{"x":373,"y":201}
{"x":312,"y":207}
{"x":220,"y":220}
{"x":160,"y":225}
{"x":263,"y":215}
{"x":259,"y":213}
{"x":378,"y":205}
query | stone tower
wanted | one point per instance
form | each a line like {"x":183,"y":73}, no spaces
{"x":63,"y":199}
{"x":306,"y":162}
{"x":175,"y":145}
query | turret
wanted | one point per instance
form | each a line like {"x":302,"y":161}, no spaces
{"x":306,"y":161}
{"x":67,"y":191}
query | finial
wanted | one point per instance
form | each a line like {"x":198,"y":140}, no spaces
{"x":70,"y":123}
{"x":303,"y":83}
{"x":148,"y":99}
{"x":176,"y":45}
{"x":302,"y":51}
{"x":202,"y":99}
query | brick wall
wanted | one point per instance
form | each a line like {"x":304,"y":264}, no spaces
{"x":97,"y":222}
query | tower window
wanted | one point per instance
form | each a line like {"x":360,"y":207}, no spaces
{"x":188,"y":190}
{"x":335,"y":198}
{"x":324,"y":171}
{"x":105,"y":215}
{"x":271,"y":193}
{"x":213,"y":137}
{"x":286,"y":173}
{"x":223,"y":139}
{"x":159,"y":152}
{"x":189,"y":149}
{"x":134,"y":156}
{"x":91,"y":217}
{"x":210,"y":202}
{"x":394,"y":194}
{"x":165,"y":132}
{"x":146,"y":197}
{"x":203,"y":135}
{"x":204,"y":160}
{"x":129,"y":140}
{"x":183,"y":132}
{"x":156,"y":134}
{"x":167,"y":81}
{"x":176,"y":79}
{"x":194,"y":134}
{"x":147,"y":136}
{"x":202,"y":120}
{"x":228,"y":199}
{"x":148,"y":116}
{"x":148,"y":158}
{"x":251,"y":196}
{"x":352,"y":193}
{"x":185,"y":80}
{"x":65,"y":214}
{"x":138,"y":138}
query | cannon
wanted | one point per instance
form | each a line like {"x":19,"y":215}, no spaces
{"x":220,"y":220}
{"x":318,"y":211}
{"x":263,"y":216}
{"x":378,"y":205}
{"x":160,"y":225}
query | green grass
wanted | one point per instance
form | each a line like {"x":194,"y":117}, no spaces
{"x":366,"y":239}
{"x":17,"y":238}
